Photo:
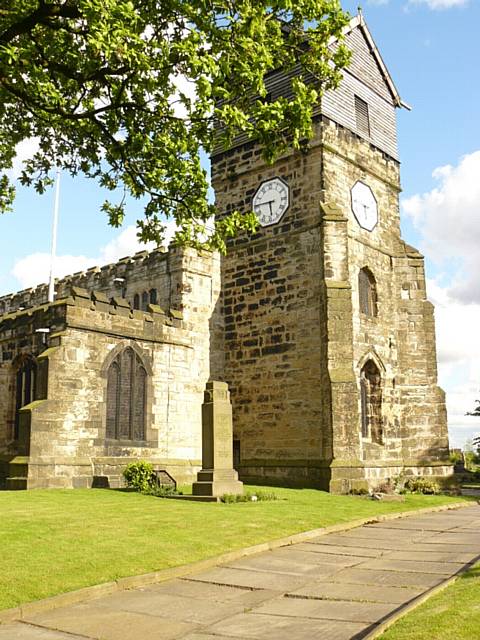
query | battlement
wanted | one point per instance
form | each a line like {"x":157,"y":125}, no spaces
{"x":33,"y":325}
{"x":142,"y":279}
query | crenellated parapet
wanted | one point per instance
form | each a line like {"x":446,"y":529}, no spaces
{"x":30,"y":330}
{"x":158,"y":277}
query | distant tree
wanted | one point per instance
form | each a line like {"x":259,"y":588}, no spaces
{"x":127,"y":92}
{"x":476,"y":410}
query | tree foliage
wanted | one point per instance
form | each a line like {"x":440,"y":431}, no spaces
{"x":127,"y":92}
{"x":476,"y":410}
{"x":476,"y":439}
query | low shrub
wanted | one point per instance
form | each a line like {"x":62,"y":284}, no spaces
{"x":422,"y":485}
{"x":139,"y":476}
{"x":163,"y":491}
{"x":455,"y":457}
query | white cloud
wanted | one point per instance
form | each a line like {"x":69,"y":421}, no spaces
{"x":185,"y":89}
{"x":23,"y":151}
{"x":125,"y":244}
{"x":441,"y":4}
{"x":458,"y":349}
{"x":447,"y":218}
{"x":35,"y":268}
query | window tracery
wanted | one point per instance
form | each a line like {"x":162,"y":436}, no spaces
{"x":126,"y":397}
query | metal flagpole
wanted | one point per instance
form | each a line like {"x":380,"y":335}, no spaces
{"x":51,"y":284}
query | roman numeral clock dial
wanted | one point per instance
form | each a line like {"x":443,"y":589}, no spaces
{"x":270,"y":201}
{"x":364,"y":206}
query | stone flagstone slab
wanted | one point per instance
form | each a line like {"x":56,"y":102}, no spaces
{"x":362,"y":542}
{"x":459,"y":537}
{"x":164,"y":605}
{"x":107,"y":624}
{"x":424,"y":566}
{"x":268,"y":627}
{"x":357,"y":593}
{"x":388,"y":578}
{"x":280,"y":563}
{"x":317,"y":557}
{"x":439,"y":547}
{"x":22,"y":631}
{"x":210,"y":593}
{"x":342,"y":610}
{"x":433,"y":556}
{"x":320,"y":546}
{"x":422,"y":525}
{"x":376,"y":533}
{"x":252,"y":579}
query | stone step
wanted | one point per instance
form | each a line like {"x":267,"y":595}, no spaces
{"x":18,"y":469}
{"x":16,"y":483}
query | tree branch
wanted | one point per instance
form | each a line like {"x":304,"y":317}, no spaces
{"x":41,"y":15}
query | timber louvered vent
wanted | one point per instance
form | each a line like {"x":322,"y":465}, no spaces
{"x":126,"y":397}
{"x":362,"y":116}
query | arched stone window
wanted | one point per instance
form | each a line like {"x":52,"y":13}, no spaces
{"x":371,"y":402}
{"x":153,"y":296}
{"x":25,"y":385}
{"x":367,"y":292}
{"x":145,"y":299}
{"x":126,"y":397}
{"x":136,"y":301}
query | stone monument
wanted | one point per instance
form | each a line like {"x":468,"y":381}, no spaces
{"x":217,"y":475}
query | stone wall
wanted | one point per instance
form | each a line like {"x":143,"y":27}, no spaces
{"x":273,"y":320}
{"x":295,"y":339}
{"x":66,"y":430}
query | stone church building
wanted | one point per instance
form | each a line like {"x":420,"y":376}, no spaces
{"x":319,"y":323}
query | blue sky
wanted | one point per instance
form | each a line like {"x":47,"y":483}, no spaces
{"x":431,"y":50}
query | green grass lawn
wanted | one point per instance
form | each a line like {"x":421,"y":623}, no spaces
{"x":60,"y":540}
{"x":453,"y":614}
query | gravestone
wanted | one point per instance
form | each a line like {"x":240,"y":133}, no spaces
{"x":217,"y":475}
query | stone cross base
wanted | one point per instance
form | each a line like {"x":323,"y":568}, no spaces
{"x":213,"y":482}
{"x":217,"y":475}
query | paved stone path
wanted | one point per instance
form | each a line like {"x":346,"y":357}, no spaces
{"x":338,"y":586}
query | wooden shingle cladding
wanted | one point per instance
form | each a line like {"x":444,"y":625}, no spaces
{"x":366,"y":78}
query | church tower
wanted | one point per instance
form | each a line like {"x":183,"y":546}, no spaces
{"x":329,"y":340}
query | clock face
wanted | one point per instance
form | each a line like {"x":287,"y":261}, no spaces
{"x":271,"y":200}
{"x":364,"y":206}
